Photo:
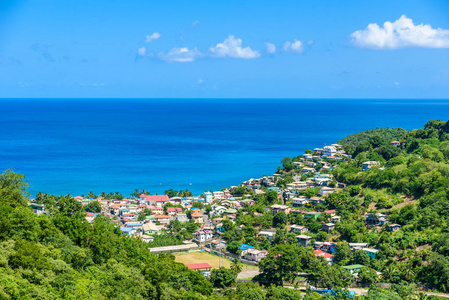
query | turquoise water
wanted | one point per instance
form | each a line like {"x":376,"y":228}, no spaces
{"x":73,"y":146}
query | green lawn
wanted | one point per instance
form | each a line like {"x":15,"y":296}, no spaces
{"x":203,"y":256}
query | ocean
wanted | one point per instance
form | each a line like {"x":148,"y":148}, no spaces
{"x":73,"y":146}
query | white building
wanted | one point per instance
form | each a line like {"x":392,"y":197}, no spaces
{"x":203,"y":235}
{"x":329,"y":151}
{"x":255,"y":255}
{"x":207,"y":197}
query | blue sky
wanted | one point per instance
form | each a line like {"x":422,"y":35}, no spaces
{"x":257,"y":49}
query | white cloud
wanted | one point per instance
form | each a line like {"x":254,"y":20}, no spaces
{"x":141,"y":51}
{"x":295,"y":47}
{"x":180,"y":55}
{"x":401,"y":33}
{"x":152,"y":37}
{"x":200,"y":81}
{"x":232,"y":47}
{"x":271,"y":48}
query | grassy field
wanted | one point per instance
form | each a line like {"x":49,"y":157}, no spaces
{"x":203,"y":256}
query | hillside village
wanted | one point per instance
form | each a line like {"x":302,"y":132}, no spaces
{"x":297,"y":190}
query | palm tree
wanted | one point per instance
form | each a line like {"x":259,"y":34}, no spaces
{"x":409,"y":274}
{"x":236,"y":266}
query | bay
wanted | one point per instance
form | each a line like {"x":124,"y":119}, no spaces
{"x":76,"y":145}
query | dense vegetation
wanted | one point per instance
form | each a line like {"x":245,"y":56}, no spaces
{"x":387,"y":135}
{"x":62,"y":256}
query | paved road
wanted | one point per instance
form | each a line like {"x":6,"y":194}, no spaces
{"x":359,"y":291}
{"x":248,"y":274}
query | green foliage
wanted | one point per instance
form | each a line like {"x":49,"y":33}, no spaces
{"x":281,"y":264}
{"x":233,"y":247}
{"x":377,"y":136}
{"x":93,"y":207}
{"x":280,"y":219}
{"x":223,"y":277}
{"x":62,"y":256}
{"x":239,"y":191}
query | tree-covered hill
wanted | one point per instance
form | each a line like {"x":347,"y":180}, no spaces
{"x":385,"y":134}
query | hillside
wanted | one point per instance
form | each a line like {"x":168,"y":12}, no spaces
{"x":61,"y":255}
{"x":385,"y":134}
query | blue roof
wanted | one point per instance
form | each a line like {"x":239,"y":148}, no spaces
{"x":126,"y":229}
{"x":194,"y":208}
{"x":246,"y":247}
{"x":134,"y":224}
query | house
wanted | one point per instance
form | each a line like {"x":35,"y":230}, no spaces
{"x":128,"y":231}
{"x":322,"y":179}
{"x":218,"y":195}
{"x":207,"y":197}
{"x":203,"y":268}
{"x":157,"y":209}
{"x":328,"y":227}
{"x":304,"y":240}
{"x":217,"y":221}
{"x":394,"y":227}
{"x":202,"y":236}
{"x":301,"y":201}
{"x":307,"y":156}
{"x":371,"y":252}
{"x":298,"y":164}
{"x":154,"y":199}
{"x":150,"y":228}
{"x":317,"y":200}
{"x":329,"y":151}
{"x":38,"y":209}
{"x":273,"y":188}
{"x":296,"y":212}
{"x":312,"y":214}
{"x":328,"y":257}
{"x":255,"y":255}
{"x":329,"y":247}
{"x":266,"y":234}
{"x":146,"y":238}
{"x":247,"y":202}
{"x":229,"y":211}
{"x":244,"y":249}
{"x":171,"y":211}
{"x":357,"y":246}
{"x":308,"y":170}
{"x":298,"y":229}
{"x":182,"y":218}
{"x":335,"y":219}
{"x":135,"y":225}
{"x":330,"y":212}
{"x":326,"y":191}
{"x":353,"y":269}
{"x":163,"y":219}
{"x":376,"y":219}
{"x":197,"y":216}
{"x":395,"y":143}
{"x":278,"y":208}
{"x":369,"y":164}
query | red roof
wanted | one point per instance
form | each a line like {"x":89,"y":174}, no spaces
{"x":199,"y":266}
{"x":157,"y":198}
{"x":174,"y":209}
{"x":161,"y":217}
{"x":322,"y":253}
{"x":332,"y":211}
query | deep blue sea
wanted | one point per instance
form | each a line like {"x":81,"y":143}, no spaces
{"x":72,"y":146}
